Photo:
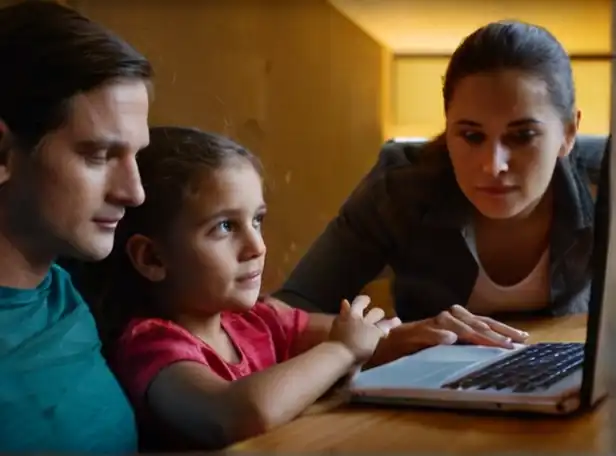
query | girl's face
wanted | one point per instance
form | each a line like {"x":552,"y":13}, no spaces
{"x":215,"y":254}
{"x":504,"y":137}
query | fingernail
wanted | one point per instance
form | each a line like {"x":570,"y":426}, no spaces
{"x":524,"y":334}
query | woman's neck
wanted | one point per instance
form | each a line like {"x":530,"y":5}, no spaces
{"x":510,"y":249}
{"x":537,"y":214}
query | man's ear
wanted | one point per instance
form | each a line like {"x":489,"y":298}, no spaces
{"x":6,"y":149}
{"x":143,"y":254}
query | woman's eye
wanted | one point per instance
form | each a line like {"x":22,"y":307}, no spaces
{"x":473,"y":137}
{"x":523,"y":136}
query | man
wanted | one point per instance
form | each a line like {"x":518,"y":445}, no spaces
{"x":73,"y":115}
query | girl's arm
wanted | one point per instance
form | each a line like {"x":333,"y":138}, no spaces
{"x":213,"y":412}
{"x":193,"y":399}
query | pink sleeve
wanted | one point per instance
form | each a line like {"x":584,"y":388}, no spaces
{"x":287,"y":323}
{"x":148,"y":346}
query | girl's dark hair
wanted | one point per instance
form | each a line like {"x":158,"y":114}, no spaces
{"x":171,"y":168}
{"x":512,"y":45}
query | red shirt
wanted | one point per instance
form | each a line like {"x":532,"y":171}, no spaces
{"x":263,"y":336}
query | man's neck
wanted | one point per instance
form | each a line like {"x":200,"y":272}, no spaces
{"x":19,"y":268}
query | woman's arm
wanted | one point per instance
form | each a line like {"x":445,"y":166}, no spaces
{"x":455,"y":324}
{"x":351,"y":252}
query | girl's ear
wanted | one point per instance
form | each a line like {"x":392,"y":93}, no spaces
{"x":143,"y":255}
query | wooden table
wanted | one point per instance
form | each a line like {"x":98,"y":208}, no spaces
{"x":345,"y":428}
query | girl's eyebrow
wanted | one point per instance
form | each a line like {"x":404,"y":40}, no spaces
{"x":227,"y":213}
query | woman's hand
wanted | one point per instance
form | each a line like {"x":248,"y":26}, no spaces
{"x":454,"y":325}
{"x":477,"y":330}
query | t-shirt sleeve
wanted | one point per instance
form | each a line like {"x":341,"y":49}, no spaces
{"x":147,"y":347}
{"x":285,"y":324}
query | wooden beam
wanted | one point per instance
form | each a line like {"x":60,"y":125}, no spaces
{"x":447,"y":55}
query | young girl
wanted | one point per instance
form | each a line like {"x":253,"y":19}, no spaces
{"x":205,"y":360}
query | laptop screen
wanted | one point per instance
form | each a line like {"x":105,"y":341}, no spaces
{"x":599,"y":371}
{"x":601,"y":313}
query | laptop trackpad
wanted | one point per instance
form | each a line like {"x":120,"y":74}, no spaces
{"x":429,"y":368}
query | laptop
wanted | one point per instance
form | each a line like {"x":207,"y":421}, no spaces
{"x":550,"y":378}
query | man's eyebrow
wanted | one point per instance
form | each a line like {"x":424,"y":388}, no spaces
{"x":100,"y":143}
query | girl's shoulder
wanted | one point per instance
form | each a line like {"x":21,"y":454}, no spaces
{"x":153,"y":330}
{"x":268,"y":314}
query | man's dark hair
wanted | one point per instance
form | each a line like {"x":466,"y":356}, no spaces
{"x":50,"y":53}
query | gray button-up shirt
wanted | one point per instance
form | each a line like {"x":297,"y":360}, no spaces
{"x":409,"y":214}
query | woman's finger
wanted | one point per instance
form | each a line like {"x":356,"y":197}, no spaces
{"x":466,"y":333}
{"x":374,"y":315}
{"x":470,"y":319}
{"x":423,"y":334}
{"x":487,"y":323}
{"x":516,"y":335}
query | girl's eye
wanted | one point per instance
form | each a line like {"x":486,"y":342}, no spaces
{"x":223,"y":227}
{"x":258,"y":221}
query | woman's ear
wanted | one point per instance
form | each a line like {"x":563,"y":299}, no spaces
{"x":571,"y":132}
{"x":145,"y":258}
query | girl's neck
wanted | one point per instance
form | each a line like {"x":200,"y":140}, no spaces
{"x":210,"y":330}
{"x":206,"y":327}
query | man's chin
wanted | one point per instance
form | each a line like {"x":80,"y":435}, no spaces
{"x":91,"y":252}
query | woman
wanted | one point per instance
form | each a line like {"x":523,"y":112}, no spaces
{"x":493,"y":216}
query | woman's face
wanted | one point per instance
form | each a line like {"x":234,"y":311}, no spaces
{"x":504,"y":137}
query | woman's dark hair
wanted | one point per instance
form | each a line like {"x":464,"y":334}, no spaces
{"x":49,"y":54}
{"x":511,"y":45}
{"x":172,"y":166}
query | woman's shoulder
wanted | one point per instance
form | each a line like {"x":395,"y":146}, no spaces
{"x":587,"y":156}
{"x":408,"y":176}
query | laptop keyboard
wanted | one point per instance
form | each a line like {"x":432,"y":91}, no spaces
{"x":534,"y":368}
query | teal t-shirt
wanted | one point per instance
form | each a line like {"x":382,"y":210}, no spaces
{"x":57,"y":393}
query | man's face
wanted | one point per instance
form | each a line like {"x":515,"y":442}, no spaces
{"x":67,"y":196}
